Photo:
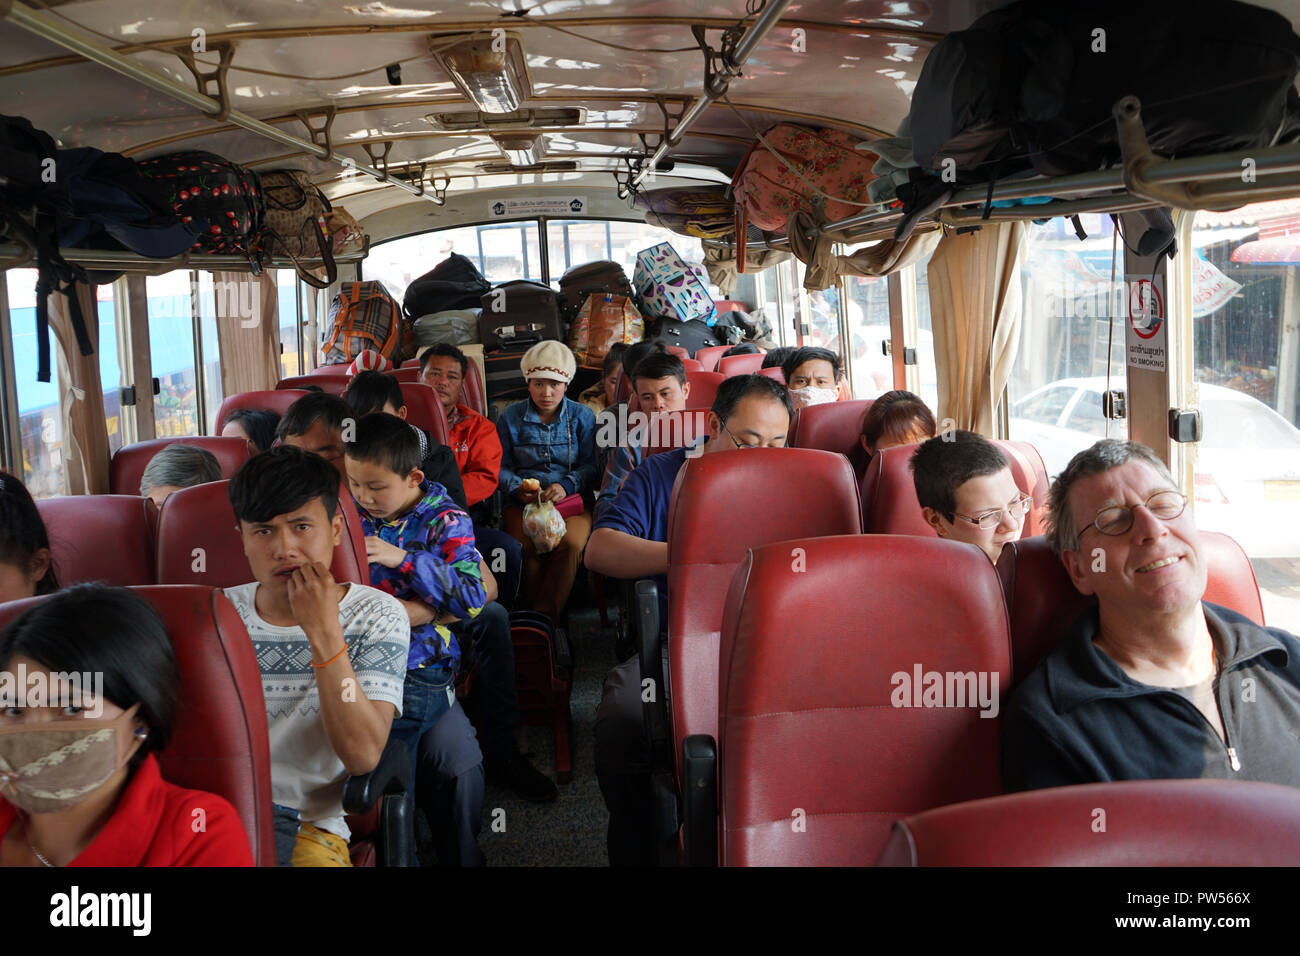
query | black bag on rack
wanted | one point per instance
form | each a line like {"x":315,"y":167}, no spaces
{"x":454,"y":283}
{"x":581,"y":281}
{"x":518,"y":308}
{"x":691,"y":335}
{"x":503,"y":378}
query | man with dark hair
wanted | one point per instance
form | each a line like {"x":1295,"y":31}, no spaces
{"x":472,"y":437}
{"x":967,"y":493}
{"x":812,"y":375}
{"x":744,"y":348}
{"x":660,"y":386}
{"x":775,"y":358}
{"x":630,"y":541}
{"x":333,"y":656}
{"x":1152,"y":682}
{"x":315,"y":423}
{"x":370,"y":392}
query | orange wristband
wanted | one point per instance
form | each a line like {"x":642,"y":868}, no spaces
{"x":332,"y":659}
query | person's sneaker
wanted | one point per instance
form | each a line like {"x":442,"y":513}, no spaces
{"x":516,"y":773}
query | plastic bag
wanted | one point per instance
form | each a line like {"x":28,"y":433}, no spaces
{"x":544,"y":526}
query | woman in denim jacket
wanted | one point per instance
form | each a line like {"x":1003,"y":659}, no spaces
{"x":552,"y":439}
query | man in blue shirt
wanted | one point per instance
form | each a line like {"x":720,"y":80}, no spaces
{"x":630,"y":540}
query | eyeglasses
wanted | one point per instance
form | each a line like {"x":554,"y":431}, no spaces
{"x":738,"y":445}
{"x":991,"y":519}
{"x":1165,"y":505}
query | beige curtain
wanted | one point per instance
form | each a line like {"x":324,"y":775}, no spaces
{"x":248,"y":331}
{"x":720,"y":262}
{"x":879,"y":259}
{"x":81,"y":401}
{"x":975,"y":310}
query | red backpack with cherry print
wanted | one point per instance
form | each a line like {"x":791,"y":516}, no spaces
{"x":222,"y":201}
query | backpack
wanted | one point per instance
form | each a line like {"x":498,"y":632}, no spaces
{"x":603,"y":276}
{"x":691,"y":336}
{"x":454,"y":283}
{"x":295,"y":222}
{"x":669,"y":288}
{"x":363,"y":316}
{"x":32,"y":200}
{"x":767,"y":191}
{"x":220,"y":199}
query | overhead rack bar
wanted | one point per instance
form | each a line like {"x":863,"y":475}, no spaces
{"x":718,"y":88}
{"x":37,"y":23}
{"x":16,"y":256}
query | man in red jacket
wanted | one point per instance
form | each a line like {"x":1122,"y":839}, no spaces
{"x":472,"y":437}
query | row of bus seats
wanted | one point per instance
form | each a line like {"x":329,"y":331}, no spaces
{"x":177,"y":558}
{"x":423,"y":409}
{"x":705,"y":551}
{"x":815,"y":763}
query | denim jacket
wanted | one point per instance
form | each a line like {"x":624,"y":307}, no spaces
{"x":563,"y":451}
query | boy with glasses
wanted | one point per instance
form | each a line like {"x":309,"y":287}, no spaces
{"x":1151,"y":682}
{"x":966,"y":491}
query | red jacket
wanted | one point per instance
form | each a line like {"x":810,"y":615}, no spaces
{"x":154,"y":825}
{"x":477,"y":447}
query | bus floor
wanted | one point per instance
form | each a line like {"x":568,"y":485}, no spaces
{"x":569,"y":831}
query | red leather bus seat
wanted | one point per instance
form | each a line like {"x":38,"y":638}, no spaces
{"x":424,"y":410}
{"x":220,"y":742}
{"x":277,"y":401}
{"x":334,"y":382}
{"x":889,"y":504}
{"x":740,"y":364}
{"x":201,"y":517}
{"x":835,"y":426}
{"x":472,"y":395}
{"x":709,"y":355}
{"x":1148,"y":823}
{"x":809,"y":685}
{"x":709,"y":531}
{"x":678,"y":351}
{"x":1044,"y":603}
{"x":692,"y":365}
{"x":130,"y":461}
{"x":773,"y":373}
{"x":106,"y":538}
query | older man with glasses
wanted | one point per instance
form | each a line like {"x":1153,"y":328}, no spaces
{"x":1152,"y":682}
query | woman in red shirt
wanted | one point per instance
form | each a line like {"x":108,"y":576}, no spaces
{"x":89,"y":690}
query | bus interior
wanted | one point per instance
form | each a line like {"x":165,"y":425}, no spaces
{"x":532,"y":138}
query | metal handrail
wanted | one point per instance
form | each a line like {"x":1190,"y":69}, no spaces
{"x":124,"y":261}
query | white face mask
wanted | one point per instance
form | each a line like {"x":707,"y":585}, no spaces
{"x":803,"y":397}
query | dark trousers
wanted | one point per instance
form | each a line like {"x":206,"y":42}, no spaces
{"x":446,"y":762}
{"x":494,"y":685}
{"x":623,"y":768}
{"x":505,"y":559}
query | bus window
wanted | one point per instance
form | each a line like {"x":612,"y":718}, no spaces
{"x":1246,"y":309}
{"x":1059,"y":374}
{"x":575,"y":242}
{"x":211,"y":351}
{"x":501,"y":251}
{"x":926,"y":367}
{"x":40,"y":424}
{"x":288,"y":302}
{"x":171,"y":349}
{"x":868,"y":308}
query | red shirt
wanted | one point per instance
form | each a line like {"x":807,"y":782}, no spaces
{"x":154,"y":823}
{"x":477,"y":447}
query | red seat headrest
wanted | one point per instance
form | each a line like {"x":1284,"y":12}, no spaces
{"x":740,"y":364}
{"x":106,"y":538}
{"x":220,"y":742}
{"x":202,"y":518}
{"x":889,"y":504}
{"x":1148,"y":823}
{"x":277,"y":401}
{"x":129,"y":462}
{"x":336,"y":383}
{"x":709,"y":355}
{"x":834,"y":426}
{"x":424,"y":410}
{"x":834,"y":723}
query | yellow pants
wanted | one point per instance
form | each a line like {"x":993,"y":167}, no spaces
{"x":316,"y":847}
